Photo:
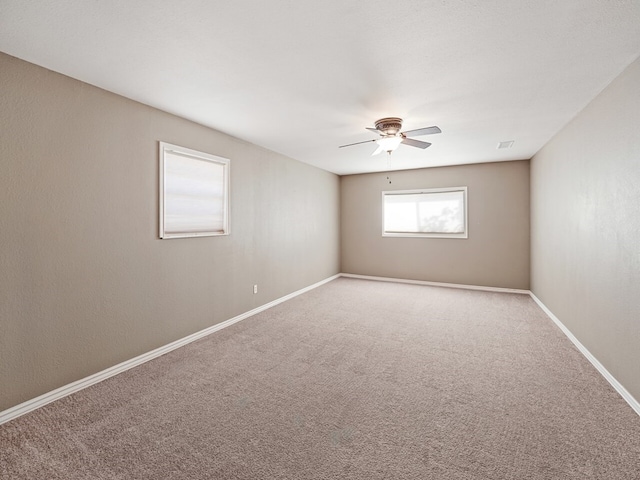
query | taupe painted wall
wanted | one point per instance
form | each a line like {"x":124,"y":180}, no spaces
{"x":495,"y":254}
{"x":85,"y":283}
{"x":585,"y":243}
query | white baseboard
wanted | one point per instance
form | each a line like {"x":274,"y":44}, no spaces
{"x":436,"y":284}
{"x":594,"y":361}
{"x":61,"y":392}
{"x":78,"y":385}
{"x":633,"y":403}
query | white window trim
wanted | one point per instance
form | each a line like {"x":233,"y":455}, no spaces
{"x":187,"y":152}
{"x":463,"y":235}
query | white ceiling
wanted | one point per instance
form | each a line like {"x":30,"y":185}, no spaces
{"x":301,"y":77}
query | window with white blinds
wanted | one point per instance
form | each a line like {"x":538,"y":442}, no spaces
{"x":194,"y":193}
{"x":434,"y":212}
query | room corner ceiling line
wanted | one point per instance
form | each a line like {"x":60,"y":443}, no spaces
{"x":331,"y":80}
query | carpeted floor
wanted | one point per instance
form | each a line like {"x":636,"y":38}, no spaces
{"x":353,"y":380}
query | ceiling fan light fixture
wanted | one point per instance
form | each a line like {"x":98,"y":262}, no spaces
{"x":391,"y":137}
{"x":389,"y":144}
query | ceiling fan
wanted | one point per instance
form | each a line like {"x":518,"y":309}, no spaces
{"x":392,"y":137}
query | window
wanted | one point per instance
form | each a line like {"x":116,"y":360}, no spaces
{"x":433,"y":212}
{"x":194,"y":193}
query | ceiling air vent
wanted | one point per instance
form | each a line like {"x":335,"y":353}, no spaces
{"x":507,"y":144}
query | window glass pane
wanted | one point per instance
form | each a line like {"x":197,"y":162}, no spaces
{"x":194,"y":196}
{"x":440,"y":212}
{"x":194,"y":193}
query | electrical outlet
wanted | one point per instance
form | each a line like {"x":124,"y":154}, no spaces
{"x":255,"y":289}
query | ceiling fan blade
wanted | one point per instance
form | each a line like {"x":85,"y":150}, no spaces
{"x":372,"y":129}
{"x":415,"y":143}
{"x":357,"y":143}
{"x":378,"y":150}
{"x":422,"y":131}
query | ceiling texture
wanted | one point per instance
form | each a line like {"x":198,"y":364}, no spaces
{"x":301,"y":77}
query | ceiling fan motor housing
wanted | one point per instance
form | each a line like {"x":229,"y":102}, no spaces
{"x":389,"y":125}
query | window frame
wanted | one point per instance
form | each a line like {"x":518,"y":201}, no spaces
{"x":463,"y":235}
{"x":165,"y":147}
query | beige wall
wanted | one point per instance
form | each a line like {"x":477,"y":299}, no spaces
{"x":85,"y":283}
{"x":495,"y":254}
{"x":585,"y":194}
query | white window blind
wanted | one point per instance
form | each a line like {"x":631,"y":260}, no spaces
{"x":194,"y":193}
{"x":438,"y":212}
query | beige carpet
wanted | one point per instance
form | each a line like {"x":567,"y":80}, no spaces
{"x":353,"y":380}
